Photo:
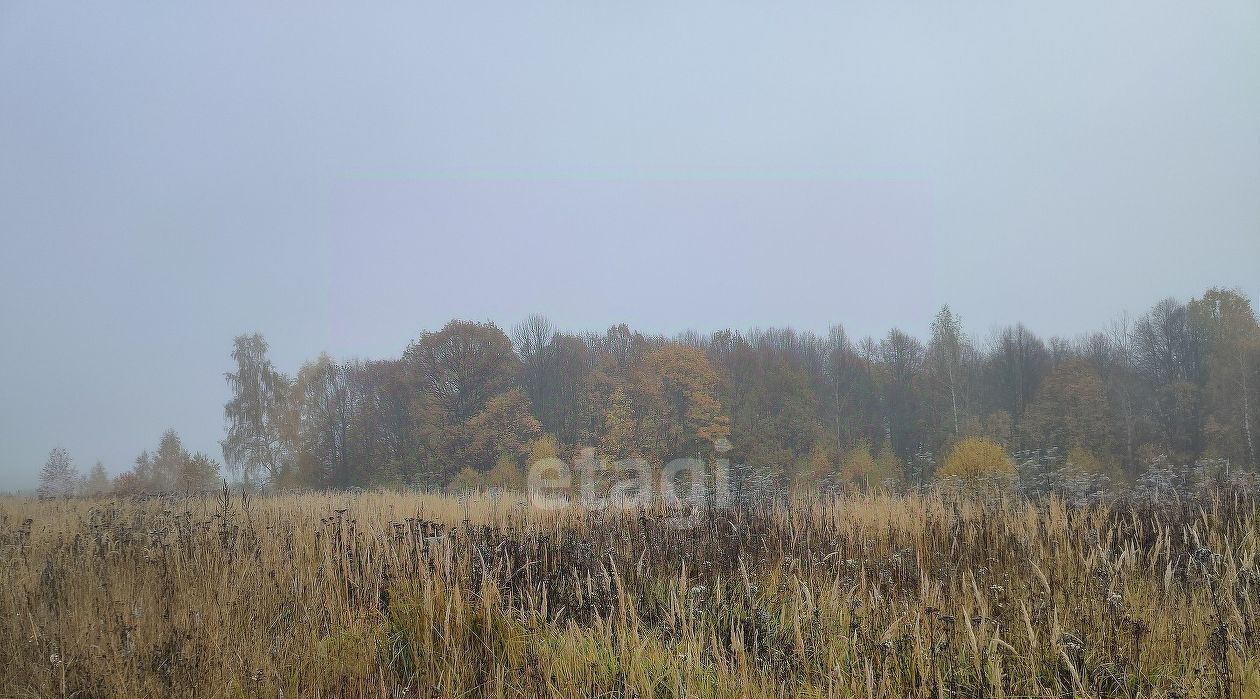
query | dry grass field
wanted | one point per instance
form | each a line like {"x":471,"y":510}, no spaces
{"x":404,"y":595}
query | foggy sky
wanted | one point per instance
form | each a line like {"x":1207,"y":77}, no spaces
{"x":341,"y":178}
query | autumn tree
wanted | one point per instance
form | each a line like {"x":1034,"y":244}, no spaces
{"x":1233,"y":372}
{"x":1014,"y":367}
{"x":141,"y":476}
{"x":532,"y":340}
{"x":889,"y":469}
{"x":380,"y":444}
{"x":506,"y":474}
{"x":58,"y":478}
{"x":505,"y":428}
{"x":257,"y":414}
{"x":901,"y":359}
{"x":452,"y":374}
{"x":772,"y":402}
{"x":619,"y":437}
{"x":97,"y":481}
{"x":1111,"y":354}
{"x":168,"y":463}
{"x":944,"y":369}
{"x":466,"y":480}
{"x":819,"y":467}
{"x":1070,"y":408}
{"x":857,"y":466}
{"x":462,"y":366}
{"x":169,"y":469}
{"x":323,"y":402}
{"x":1180,"y":383}
{"x":1170,"y":357}
{"x":1083,"y":460}
{"x":852,"y":394}
{"x":679,"y":385}
{"x":198,"y":474}
{"x":618,"y":349}
{"x":127,"y":483}
{"x":546,"y":446}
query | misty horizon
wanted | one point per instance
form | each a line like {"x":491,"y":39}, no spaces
{"x":978,"y":340}
{"x":341,"y":180}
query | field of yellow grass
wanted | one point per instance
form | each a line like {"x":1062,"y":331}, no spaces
{"x":410,"y":595}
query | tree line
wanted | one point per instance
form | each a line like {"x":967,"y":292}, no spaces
{"x":470,"y":405}
{"x":168,"y":469}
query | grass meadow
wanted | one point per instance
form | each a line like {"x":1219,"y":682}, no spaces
{"x":381,"y":594}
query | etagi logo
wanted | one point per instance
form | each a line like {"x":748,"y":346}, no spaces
{"x":629,"y":484}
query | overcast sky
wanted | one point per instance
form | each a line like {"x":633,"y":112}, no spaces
{"x":342,"y":177}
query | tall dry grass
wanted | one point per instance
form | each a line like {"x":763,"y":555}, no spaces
{"x":397,"y":595}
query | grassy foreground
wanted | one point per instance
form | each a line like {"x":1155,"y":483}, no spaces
{"x":403,"y":595}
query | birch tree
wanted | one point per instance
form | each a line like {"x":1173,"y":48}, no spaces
{"x":256,"y":415}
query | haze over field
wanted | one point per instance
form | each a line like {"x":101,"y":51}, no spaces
{"x":172,"y":177}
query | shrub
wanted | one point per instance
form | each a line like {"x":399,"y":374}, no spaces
{"x":506,"y":474}
{"x":976,"y":458}
{"x":467,"y":479}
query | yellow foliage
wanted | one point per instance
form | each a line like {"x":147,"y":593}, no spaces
{"x":685,"y":384}
{"x":351,"y":652}
{"x":506,"y":474}
{"x":1084,"y":461}
{"x":976,"y":458}
{"x":466,"y":480}
{"x":545,"y":447}
{"x":858,"y":465}
{"x":887,"y":466}
{"x":341,"y":619}
{"x":815,"y":468}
